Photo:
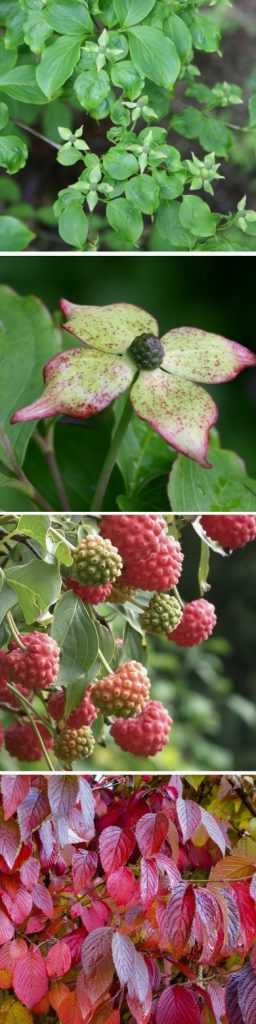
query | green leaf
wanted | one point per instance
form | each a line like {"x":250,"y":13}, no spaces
{"x":34,"y":526}
{"x":205,"y":32}
{"x":73,"y":225}
{"x":75,"y":632}
{"x":225,"y":488}
{"x":143,"y":191}
{"x":177,"y":30}
{"x":7,"y":600}
{"x":124,"y":219}
{"x":130,"y":12}
{"x":168,"y":233}
{"x":13,"y":153}
{"x":142,"y":455}
{"x":154,"y":55}
{"x":57,"y":64}
{"x":196,"y":216}
{"x":21,"y":84}
{"x":71,"y":19}
{"x":119,"y":164}
{"x":4,"y":115}
{"x":37,"y":585}
{"x":14,"y":236}
{"x":27,"y":339}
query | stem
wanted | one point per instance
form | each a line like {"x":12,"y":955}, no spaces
{"x":203,"y":570}
{"x":22,"y":479}
{"x":179,"y":598}
{"x":110,"y":459}
{"x":104,"y":662}
{"x":38,"y":135}
{"x":14,"y":630}
{"x":24,"y":704}
{"x":47,"y":447}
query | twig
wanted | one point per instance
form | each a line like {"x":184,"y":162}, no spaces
{"x":22,"y":479}
{"x":38,"y":135}
{"x":46,"y":445}
{"x":25,"y":705}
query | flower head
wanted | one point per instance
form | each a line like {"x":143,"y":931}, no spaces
{"x":121,"y":349}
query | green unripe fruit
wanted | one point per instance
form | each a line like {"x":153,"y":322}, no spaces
{"x":74,"y":744}
{"x":252,"y":827}
{"x":96,"y":561}
{"x":147,"y":351}
{"x":162,"y":614}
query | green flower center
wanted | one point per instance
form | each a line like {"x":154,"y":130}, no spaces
{"x":147,"y":351}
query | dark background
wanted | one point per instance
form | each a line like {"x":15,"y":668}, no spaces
{"x":212,"y":292}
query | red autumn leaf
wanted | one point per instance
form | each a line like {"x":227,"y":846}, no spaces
{"x":87,"y":804}
{"x":10,"y":842}
{"x":247,"y":911}
{"x":177,"y":1006}
{"x":58,"y":959}
{"x":30,"y":981}
{"x":233,"y":1010}
{"x":123,"y":952}
{"x":49,"y":844}
{"x":151,"y":830}
{"x":62,"y":793}
{"x":177,"y":919}
{"x":17,"y":900}
{"x":168,"y":867}
{"x":84,"y":865}
{"x":42,"y":899}
{"x":214,"y":830}
{"x":148,"y":881}
{"x":14,"y":789}
{"x":121,"y":885}
{"x":29,"y":873}
{"x":189,"y":817}
{"x":32,"y":811}
{"x":96,"y":947}
{"x":6,"y":928}
{"x":116,"y":846}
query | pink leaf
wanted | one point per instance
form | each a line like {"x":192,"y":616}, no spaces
{"x":121,"y":885}
{"x":62,"y":793}
{"x":58,"y":960}
{"x":177,"y":1006}
{"x":140,"y":1011}
{"x":148,"y":881}
{"x":247,"y":994}
{"x":6,"y":928}
{"x":10,"y":842}
{"x":30,"y":981}
{"x":151,"y":830}
{"x":211,"y":929}
{"x":87,"y":804}
{"x":96,"y":915}
{"x":216,"y":993}
{"x":176,"y":921}
{"x":181,"y":412}
{"x":189,"y":817}
{"x":116,"y":846}
{"x":138,"y":983}
{"x":203,"y":356}
{"x":32,"y":811}
{"x":30,"y":872}
{"x":123,"y":952}
{"x":42,"y":899}
{"x":109,"y":328}
{"x":214,"y":830}
{"x":18,"y":904}
{"x":167,"y":866}
{"x":84,"y":866}
{"x":96,"y":947}
{"x":11,"y":952}
{"x":14,"y":788}
{"x":49,"y":844}
{"x":233,"y":1011}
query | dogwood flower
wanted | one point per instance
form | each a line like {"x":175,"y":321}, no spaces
{"x":121,"y":350}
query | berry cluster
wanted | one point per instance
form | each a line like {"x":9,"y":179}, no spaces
{"x":132,"y":554}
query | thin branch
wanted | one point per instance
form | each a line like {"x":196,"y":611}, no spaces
{"x":38,"y":135}
{"x":46,"y":445}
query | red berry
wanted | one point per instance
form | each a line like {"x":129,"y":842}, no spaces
{"x":37,"y":667}
{"x":21,"y":741}
{"x":90,"y":595}
{"x":230,"y":531}
{"x":7,"y":697}
{"x":152,"y":560}
{"x":145,"y":735}
{"x":85,"y":714}
{"x":124,"y":692}
{"x":197,"y":623}
{"x":4,"y":674}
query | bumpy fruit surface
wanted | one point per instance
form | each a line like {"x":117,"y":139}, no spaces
{"x":84,"y":714}
{"x":152,"y":560}
{"x":145,"y":735}
{"x":162,"y":614}
{"x":90,"y":595}
{"x":147,"y":351}
{"x":21,"y":741}
{"x":8,"y":698}
{"x":97,"y":561}
{"x":121,"y":594}
{"x":37,"y":665}
{"x":197,"y":624}
{"x":74,"y":744}
{"x":230,"y":531}
{"x":124,"y":692}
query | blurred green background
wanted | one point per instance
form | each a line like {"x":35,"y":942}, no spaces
{"x":211,"y":292}
{"x":209,"y":690}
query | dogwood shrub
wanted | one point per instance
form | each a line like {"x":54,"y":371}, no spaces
{"x":127,"y":899}
{"x":130,"y":66}
{"x":74,"y":656}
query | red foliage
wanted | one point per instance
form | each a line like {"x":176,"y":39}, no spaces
{"x":134,"y":892}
